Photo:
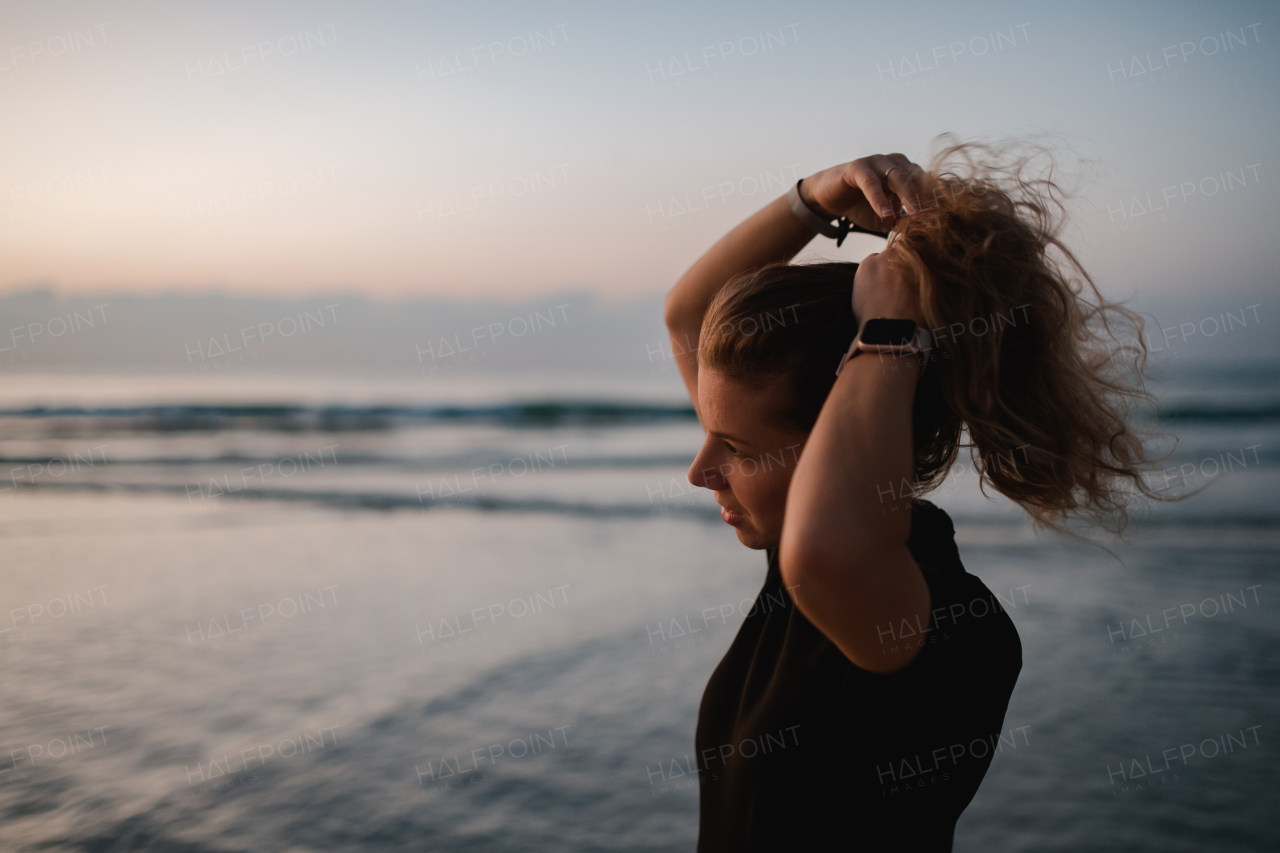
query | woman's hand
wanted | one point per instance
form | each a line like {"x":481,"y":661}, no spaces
{"x":858,"y":190}
{"x":880,"y":291}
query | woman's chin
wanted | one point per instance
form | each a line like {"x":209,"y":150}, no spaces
{"x":751,"y":537}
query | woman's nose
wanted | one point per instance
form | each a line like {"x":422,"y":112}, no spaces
{"x":705,"y":476}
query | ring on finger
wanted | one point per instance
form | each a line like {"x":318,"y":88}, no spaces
{"x":886,"y":174}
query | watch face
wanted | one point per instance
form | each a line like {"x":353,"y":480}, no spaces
{"x":883,"y":332}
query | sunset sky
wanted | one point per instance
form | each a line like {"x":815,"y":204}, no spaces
{"x":517,"y":149}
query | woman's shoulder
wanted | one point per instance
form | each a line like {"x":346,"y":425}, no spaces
{"x":933,"y":538}
{"x":962,"y":604}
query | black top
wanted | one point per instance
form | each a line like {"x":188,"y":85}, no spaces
{"x":799,"y":749}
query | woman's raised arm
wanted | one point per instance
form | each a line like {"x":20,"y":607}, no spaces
{"x":773,"y":234}
{"x":844,"y":546}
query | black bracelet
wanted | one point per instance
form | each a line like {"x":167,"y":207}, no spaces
{"x":842,"y":227}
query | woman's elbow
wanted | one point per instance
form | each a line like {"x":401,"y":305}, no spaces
{"x":798,"y":561}
{"x":676,"y":312}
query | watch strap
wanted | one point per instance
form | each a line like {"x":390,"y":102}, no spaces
{"x":920,"y":342}
{"x":850,"y":353}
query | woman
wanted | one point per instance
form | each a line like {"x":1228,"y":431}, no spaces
{"x":864,"y":697}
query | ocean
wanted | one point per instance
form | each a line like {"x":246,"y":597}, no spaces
{"x":477,"y":612}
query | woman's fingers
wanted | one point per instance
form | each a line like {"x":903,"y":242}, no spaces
{"x":901,"y":176}
{"x":870,"y":179}
{"x":880,"y":187}
{"x":904,"y":178}
{"x":889,"y":182}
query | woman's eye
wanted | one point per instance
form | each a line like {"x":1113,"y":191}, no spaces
{"x":732,"y":449}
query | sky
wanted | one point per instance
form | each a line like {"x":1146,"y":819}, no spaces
{"x":511,"y":150}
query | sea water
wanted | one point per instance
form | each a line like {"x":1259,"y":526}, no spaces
{"x":294,"y":613}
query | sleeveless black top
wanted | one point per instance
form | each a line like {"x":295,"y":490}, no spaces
{"x":799,"y":749}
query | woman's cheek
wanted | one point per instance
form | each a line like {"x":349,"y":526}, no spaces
{"x":773,"y":491}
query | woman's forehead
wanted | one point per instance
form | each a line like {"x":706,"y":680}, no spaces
{"x":746,"y":407}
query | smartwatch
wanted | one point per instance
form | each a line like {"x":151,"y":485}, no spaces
{"x":884,"y":335}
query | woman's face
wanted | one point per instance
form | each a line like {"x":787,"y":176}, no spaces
{"x":746,"y":460}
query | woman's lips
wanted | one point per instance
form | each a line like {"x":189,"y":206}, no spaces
{"x":729,"y":516}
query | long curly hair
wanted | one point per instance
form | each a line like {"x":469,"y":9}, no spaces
{"x":1032,"y":369}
